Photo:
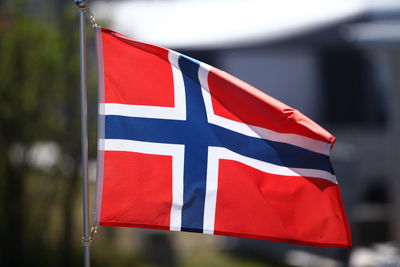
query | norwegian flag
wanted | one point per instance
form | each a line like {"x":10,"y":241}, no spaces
{"x":184,"y":146}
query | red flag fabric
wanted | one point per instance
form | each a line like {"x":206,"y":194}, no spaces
{"x":184,"y":146}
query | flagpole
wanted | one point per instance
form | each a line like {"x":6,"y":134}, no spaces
{"x":86,"y":240}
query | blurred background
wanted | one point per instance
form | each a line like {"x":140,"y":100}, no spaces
{"x":337,"y":61}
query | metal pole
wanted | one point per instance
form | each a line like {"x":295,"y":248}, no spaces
{"x":86,"y":239}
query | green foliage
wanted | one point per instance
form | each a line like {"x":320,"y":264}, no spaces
{"x":39,"y":94}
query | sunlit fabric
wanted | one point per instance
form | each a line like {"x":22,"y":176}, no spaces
{"x":184,"y":146}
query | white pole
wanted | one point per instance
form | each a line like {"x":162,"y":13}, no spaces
{"x":86,"y":240}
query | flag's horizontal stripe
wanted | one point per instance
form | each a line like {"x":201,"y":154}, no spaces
{"x":248,"y":130}
{"x":255,"y":131}
{"x":223,"y":153}
{"x":178,"y":132}
{"x":140,"y":147}
{"x":175,"y":113}
{"x":214,"y":153}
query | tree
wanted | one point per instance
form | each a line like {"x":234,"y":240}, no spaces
{"x":39,"y":102}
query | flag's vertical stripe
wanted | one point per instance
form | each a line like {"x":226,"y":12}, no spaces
{"x":179,"y":86}
{"x":195,"y":171}
{"x":178,"y":159}
{"x":205,"y":90}
{"x":212,"y":162}
{"x":177,"y":190}
{"x":101,"y":130}
{"x":211,"y":192}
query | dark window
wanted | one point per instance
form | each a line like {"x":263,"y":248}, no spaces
{"x":351,"y":91}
